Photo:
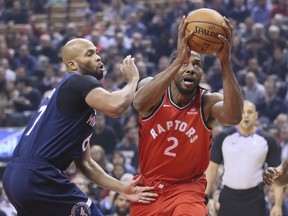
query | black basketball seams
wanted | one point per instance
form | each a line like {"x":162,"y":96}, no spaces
{"x":194,"y":35}
{"x":207,"y":23}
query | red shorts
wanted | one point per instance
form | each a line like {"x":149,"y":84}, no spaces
{"x":186,"y":198}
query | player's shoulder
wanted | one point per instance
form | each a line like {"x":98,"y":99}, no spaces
{"x":144,"y":81}
{"x":211,"y":98}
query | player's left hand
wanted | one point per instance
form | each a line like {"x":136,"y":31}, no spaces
{"x":141,"y":194}
{"x":276,"y":211}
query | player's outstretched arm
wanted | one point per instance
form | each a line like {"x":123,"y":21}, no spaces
{"x":117,"y":102}
{"x":149,"y":94}
{"x":229,"y":110}
{"x":89,"y":168}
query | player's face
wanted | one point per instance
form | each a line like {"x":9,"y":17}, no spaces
{"x":89,"y":62}
{"x":249,"y":117}
{"x":189,"y":75}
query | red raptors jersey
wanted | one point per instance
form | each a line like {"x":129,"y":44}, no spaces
{"x":174,"y":141}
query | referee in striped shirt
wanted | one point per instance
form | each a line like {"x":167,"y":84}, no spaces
{"x":243,"y":150}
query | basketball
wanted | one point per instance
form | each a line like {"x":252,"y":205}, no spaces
{"x":206,"y":25}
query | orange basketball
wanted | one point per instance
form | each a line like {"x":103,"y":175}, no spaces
{"x":206,"y":25}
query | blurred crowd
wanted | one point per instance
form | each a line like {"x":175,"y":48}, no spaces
{"x":30,"y":67}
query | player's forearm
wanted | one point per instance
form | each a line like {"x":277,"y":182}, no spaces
{"x":278,"y":192}
{"x":233,"y":98}
{"x":123,"y":98}
{"x":211,"y":174}
{"x":151,"y":93}
{"x":98,"y":176}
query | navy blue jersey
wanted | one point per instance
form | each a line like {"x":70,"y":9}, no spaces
{"x":58,"y":133}
{"x":56,"y":136}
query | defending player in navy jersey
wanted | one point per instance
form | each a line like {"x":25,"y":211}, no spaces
{"x":59,"y":133}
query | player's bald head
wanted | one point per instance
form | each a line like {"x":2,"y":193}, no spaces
{"x":73,"y":48}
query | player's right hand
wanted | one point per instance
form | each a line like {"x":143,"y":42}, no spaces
{"x":183,"y":52}
{"x":271,"y":174}
{"x":141,"y":194}
{"x":129,"y":70}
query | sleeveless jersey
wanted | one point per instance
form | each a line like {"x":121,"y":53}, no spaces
{"x":54,"y":136}
{"x":175,"y":143}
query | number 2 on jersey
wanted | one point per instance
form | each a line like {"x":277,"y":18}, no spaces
{"x":41,"y":111}
{"x":168,"y":151}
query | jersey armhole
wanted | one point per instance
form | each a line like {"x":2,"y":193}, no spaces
{"x":155,"y":109}
{"x":202,"y":110}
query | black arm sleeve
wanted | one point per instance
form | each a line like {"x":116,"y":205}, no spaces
{"x":216,"y":150}
{"x":273,"y":157}
{"x":72,"y":94}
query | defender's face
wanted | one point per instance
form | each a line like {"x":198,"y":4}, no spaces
{"x":189,"y":75}
{"x":89,"y":62}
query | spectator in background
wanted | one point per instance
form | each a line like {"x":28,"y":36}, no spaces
{"x":281,"y":7}
{"x":25,"y":59}
{"x":261,"y":12}
{"x":70,"y":32}
{"x":253,"y":90}
{"x":238,"y":11}
{"x":119,"y":159}
{"x":29,"y":96}
{"x":280,"y":21}
{"x":45,"y":48}
{"x":17,"y":14}
{"x":277,"y":64}
{"x":9,"y":74}
{"x":121,"y":206}
{"x":128,"y":146}
{"x":135,"y":25}
{"x":274,"y":39}
{"x":253,"y":66}
{"x":254,"y":49}
{"x":270,"y":106}
{"x":114,"y":10}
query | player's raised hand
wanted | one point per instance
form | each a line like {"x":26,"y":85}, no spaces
{"x":271,"y":173}
{"x":129,"y":70}
{"x":182,"y":42}
{"x":141,"y":194}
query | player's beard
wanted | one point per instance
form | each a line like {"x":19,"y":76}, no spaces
{"x":89,"y":70}
{"x":186,"y":90}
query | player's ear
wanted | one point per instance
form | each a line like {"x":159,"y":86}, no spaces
{"x":72,"y":65}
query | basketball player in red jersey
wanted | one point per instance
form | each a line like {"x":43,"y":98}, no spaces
{"x":176,"y":120}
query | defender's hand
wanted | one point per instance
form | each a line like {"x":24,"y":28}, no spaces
{"x":129,"y":70}
{"x":139,"y":194}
